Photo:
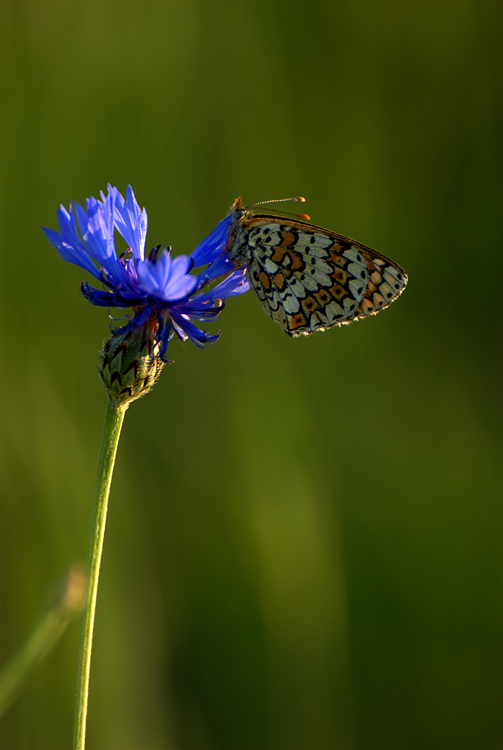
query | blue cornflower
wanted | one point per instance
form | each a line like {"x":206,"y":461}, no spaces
{"x":158,"y":287}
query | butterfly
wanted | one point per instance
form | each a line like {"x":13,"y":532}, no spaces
{"x":309,"y":278}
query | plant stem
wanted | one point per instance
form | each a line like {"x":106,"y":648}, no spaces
{"x":20,"y":669}
{"x":111,"y":434}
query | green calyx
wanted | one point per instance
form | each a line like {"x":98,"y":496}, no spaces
{"x":130,"y":362}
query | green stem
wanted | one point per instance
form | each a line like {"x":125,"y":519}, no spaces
{"x":20,"y":669}
{"x":111,"y":434}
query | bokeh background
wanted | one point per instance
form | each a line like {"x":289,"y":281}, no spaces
{"x":304,"y":539}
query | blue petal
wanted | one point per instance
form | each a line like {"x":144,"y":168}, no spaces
{"x":79,"y":216}
{"x":218,"y":267}
{"x":99,"y":239}
{"x":109,"y":299}
{"x":130,"y":221}
{"x":68,"y":252}
{"x":160,"y":286}
{"x":235,"y":284}
{"x":186,"y":329}
{"x":167,"y":278}
{"x":99,"y":233}
{"x":198,"y":309}
{"x":214,"y":244}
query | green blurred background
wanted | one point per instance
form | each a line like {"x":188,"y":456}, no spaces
{"x":304,"y":539}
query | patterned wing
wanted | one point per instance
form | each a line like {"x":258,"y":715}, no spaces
{"x":310,"y":279}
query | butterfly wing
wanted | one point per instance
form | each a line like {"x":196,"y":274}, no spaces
{"x":310,"y":279}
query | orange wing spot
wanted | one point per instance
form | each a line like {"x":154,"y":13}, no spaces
{"x":279,"y":280}
{"x":296,"y":262}
{"x":338,"y":260}
{"x":266,"y":282}
{"x":370,"y":289}
{"x":323,"y":297}
{"x":370,"y":262}
{"x":279,"y":254}
{"x":340,"y":276}
{"x":338,"y":291}
{"x":366,"y":307}
{"x":287,"y":272}
{"x":288,"y":238}
{"x":297,"y":321}
{"x":309,"y":304}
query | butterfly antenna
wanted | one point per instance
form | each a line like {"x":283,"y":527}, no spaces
{"x":297,"y":199}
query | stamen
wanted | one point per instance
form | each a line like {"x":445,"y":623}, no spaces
{"x":154,"y":253}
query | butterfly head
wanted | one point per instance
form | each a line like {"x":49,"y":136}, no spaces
{"x":236,"y":210}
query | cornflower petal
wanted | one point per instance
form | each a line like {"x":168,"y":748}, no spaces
{"x":235,"y":284}
{"x":152,"y":277}
{"x":187,"y":330}
{"x":99,"y":239}
{"x":68,"y":226}
{"x":181,"y":283}
{"x":167,"y":278}
{"x":131,"y":221}
{"x":109,"y":299}
{"x":160,"y":288}
{"x":99,"y":234}
{"x":68,"y":243}
{"x":217,"y":268}
{"x":214,"y":244}
{"x":82,"y":216}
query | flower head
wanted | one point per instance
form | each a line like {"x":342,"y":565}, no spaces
{"x":162,"y":291}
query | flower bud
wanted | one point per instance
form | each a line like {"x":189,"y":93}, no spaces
{"x":131,"y":361}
